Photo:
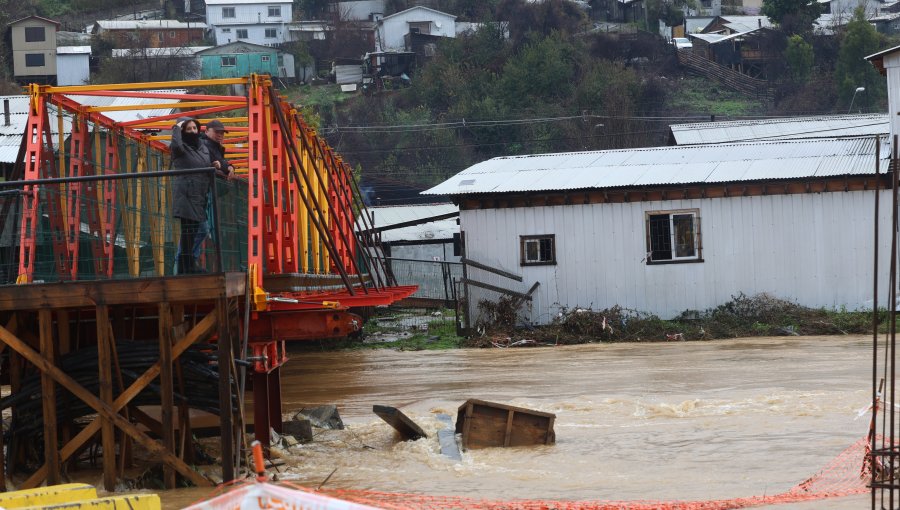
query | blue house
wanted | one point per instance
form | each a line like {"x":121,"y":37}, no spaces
{"x":241,"y":58}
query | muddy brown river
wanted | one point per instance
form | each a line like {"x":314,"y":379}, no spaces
{"x":664,"y":421}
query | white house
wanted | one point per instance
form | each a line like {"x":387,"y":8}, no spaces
{"x":391,"y":31}
{"x":669,"y":229}
{"x":263,"y":22}
{"x":73,"y":65}
{"x":837,"y":13}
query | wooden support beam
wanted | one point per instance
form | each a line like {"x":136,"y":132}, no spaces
{"x":136,"y":292}
{"x":226,"y":353}
{"x":167,"y":390}
{"x":107,"y":429}
{"x":495,"y":288}
{"x":48,"y":394}
{"x":489,"y":269}
{"x":201,"y":332}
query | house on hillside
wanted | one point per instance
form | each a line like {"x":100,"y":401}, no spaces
{"x":748,"y":52}
{"x":33,"y":43}
{"x":392,"y":33}
{"x":837,"y":13}
{"x":156,"y":33}
{"x":73,"y":65}
{"x":729,"y":25}
{"x":818,"y":126}
{"x":242,"y":58}
{"x":668,"y":229}
{"x":261,"y":22}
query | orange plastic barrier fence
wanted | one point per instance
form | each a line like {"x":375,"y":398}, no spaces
{"x":843,"y":476}
{"x":846,"y":475}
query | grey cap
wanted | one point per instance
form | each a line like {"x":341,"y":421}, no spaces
{"x":217,"y":125}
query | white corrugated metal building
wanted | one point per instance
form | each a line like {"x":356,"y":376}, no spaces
{"x":819,"y":126}
{"x":669,"y":229}
{"x":73,"y":65}
{"x":425,"y":241}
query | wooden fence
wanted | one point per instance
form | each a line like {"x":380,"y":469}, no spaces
{"x":734,"y":80}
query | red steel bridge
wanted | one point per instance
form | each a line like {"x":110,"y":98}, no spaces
{"x":96,"y":205}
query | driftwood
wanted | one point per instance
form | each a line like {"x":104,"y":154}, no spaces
{"x":401,"y":423}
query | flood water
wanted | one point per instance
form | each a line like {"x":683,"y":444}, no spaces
{"x":663,"y":421}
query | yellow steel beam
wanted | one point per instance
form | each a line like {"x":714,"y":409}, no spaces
{"x":152,"y":85}
{"x":185,"y":104}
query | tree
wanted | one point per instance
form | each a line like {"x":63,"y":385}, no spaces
{"x":793,"y":16}
{"x":311,"y":9}
{"x":852,"y":70}
{"x":799,"y":57}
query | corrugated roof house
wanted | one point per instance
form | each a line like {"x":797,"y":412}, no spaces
{"x":667,"y":229}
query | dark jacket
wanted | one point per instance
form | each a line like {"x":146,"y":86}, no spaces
{"x":216,"y":153}
{"x":189,"y":194}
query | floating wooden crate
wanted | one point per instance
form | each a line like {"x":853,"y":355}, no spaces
{"x":486,"y":424}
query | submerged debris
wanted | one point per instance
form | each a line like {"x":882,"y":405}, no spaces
{"x":759,"y":315}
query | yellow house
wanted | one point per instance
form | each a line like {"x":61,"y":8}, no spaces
{"x":34,"y":49}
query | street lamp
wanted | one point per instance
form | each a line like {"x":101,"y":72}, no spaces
{"x":857,"y":91}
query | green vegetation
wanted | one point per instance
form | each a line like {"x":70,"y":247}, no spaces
{"x":694,"y":94}
{"x":794,"y":16}
{"x":742,"y":316}
{"x":403,"y":330}
{"x":852,"y":70}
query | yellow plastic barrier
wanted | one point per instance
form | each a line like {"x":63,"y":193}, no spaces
{"x":132,"y":502}
{"x":43,"y":496}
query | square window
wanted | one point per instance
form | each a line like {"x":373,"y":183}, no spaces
{"x":537,"y":250}
{"x":227,"y":12}
{"x":673,"y":236}
{"x":264,"y":58}
{"x":271,"y":33}
{"x":242,"y":33}
{"x":229,"y":61}
{"x":35,"y":34}
{"x":34,"y":60}
{"x":274,"y":11}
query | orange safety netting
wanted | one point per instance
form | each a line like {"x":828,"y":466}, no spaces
{"x":841,"y":477}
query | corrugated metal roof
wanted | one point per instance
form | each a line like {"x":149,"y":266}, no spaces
{"x":823,"y":126}
{"x":246,"y":2}
{"x":148,"y":24}
{"x":182,"y":51}
{"x":10,"y":136}
{"x":73,"y":50}
{"x":660,"y":166}
{"x":710,"y":38}
{"x":391,"y":215}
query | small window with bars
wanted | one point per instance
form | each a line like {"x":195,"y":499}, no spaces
{"x":673,"y":236}
{"x":538,"y":250}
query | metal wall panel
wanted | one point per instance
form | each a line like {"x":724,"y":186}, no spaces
{"x":815,"y":249}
